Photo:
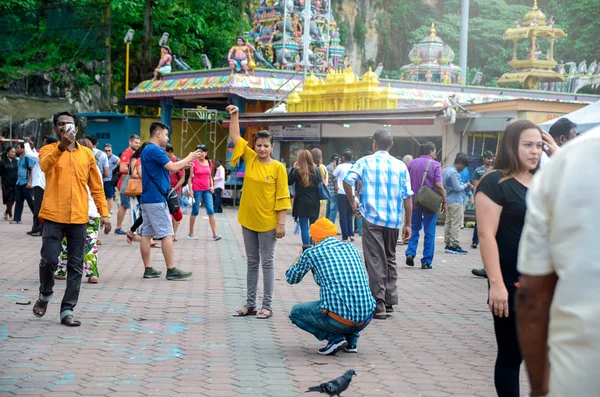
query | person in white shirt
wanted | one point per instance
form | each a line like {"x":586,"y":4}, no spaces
{"x":219,"y":184}
{"x":558,"y":300}
{"x":344,"y":206}
{"x":38,"y":182}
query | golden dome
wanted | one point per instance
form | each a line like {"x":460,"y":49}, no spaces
{"x":311,"y":80}
{"x":534,"y":17}
{"x":370,"y":76}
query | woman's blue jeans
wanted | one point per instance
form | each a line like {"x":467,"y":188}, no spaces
{"x":207,"y":197}
{"x":305,"y":223}
{"x":310,"y":317}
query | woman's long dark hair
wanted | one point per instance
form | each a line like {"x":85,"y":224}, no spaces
{"x":507,"y":159}
{"x":138,"y":153}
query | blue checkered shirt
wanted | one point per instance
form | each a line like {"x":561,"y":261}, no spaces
{"x":386,"y":182}
{"x":339,"y":270}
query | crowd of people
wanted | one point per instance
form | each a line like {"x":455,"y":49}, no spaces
{"x":527,"y":228}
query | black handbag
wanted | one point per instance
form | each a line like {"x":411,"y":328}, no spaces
{"x":171,"y":196}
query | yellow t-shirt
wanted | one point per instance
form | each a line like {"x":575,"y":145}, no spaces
{"x":265,"y":191}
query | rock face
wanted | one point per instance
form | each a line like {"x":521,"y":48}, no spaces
{"x":31,"y":101}
{"x":359,"y":14}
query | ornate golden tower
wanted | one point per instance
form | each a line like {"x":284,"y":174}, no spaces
{"x":535,"y":68}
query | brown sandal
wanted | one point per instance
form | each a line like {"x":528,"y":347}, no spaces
{"x":40,"y":307}
{"x":245,"y":311}
{"x":264,"y":314}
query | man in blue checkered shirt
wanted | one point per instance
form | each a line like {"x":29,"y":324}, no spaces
{"x":346,"y":305}
{"x":386,"y":189}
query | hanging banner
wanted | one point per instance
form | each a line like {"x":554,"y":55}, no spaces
{"x":300,"y":132}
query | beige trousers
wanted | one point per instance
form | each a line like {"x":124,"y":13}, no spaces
{"x":454,"y":220}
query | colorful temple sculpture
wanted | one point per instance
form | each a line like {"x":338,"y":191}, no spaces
{"x":536,"y":68}
{"x":343,"y":91}
{"x":431,"y":61}
{"x":278,"y":34}
{"x":576,"y":77}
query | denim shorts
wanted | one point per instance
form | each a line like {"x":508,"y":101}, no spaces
{"x":207,"y":197}
{"x":109,"y":190}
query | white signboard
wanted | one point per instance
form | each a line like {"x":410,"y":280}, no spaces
{"x":300,"y":132}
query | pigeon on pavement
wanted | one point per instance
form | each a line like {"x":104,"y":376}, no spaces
{"x":335,"y":387}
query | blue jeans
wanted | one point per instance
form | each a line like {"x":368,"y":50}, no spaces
{"x":475,"y":235}
{"x":345,"y":211}
{"x":207,"y":197}
{"x":332,"y":208}
{"x":309,"y":317}
{"x":426,"y":220}
{"x":22,"y":194}
{"x":305,"y":223}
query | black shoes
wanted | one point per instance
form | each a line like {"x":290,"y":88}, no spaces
{"x":479,"y":272}
{"x":426,"y":265}
{"x":410,"y":260}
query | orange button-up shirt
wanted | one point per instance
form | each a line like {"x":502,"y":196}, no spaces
{"x":67,"y":175}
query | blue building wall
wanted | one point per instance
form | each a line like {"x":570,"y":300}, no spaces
{"x":113,"y":128}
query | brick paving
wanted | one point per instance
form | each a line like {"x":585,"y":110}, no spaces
{"x":159,"y":338}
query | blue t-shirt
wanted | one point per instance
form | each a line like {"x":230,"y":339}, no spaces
{"x":24,"y":169}
{"x":154,"y":159}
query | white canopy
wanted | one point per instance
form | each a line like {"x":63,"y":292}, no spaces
{"x":586,"y":118}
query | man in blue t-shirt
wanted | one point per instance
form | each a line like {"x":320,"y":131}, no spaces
{"x":156,"y":166}
{"x":109,"y":188}
{"x":23,"y":191}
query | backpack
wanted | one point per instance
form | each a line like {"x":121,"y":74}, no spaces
{"x":98,"y":156}
{"x":114,"y":178}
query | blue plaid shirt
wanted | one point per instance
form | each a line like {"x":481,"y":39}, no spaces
{"x":386,"y":182}
{"x":338,"y":269}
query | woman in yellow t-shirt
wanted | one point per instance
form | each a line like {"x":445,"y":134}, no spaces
{"x":263,"y":209}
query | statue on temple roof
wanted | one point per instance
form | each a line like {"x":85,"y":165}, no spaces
{"x":164,"y":65}
{"x":239,"y":56}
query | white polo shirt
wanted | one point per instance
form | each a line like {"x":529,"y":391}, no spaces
{"x":562,"y":236}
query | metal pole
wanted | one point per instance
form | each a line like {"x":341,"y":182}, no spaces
{"x":306,"y":38}
{"x":464,"y":39}
{"x":10,"y":127}
{"x":126,"y":74}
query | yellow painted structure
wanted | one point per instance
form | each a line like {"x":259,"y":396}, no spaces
{"x":342,"y":91}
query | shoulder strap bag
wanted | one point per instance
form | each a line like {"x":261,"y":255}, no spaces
{"x":171,"y":195}
{"x":427,"y":198}
{"x":323,"y":191}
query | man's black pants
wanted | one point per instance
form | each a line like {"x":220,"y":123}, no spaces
{"x":51,"y":247}
{"x":22,"y":193}
{"x":38,"y":197}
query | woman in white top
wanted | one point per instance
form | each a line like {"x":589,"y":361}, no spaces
{"x":219,"y":184}
{"x":90,"y":253}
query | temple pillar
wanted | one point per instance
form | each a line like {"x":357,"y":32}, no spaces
{"x":166,"y":109}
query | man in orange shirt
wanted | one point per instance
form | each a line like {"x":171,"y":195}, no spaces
{"x":70,"y":169}
{"x":134,"y":144}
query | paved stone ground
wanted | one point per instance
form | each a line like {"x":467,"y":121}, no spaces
{"x":159,"y":338}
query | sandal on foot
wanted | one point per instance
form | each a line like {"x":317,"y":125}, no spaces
{"x":69,"y":321}
{"x":93,"y":280}
{"x":130,"y":237}
{"x":264,"y":314}
{"x":245,"y":311}
{"x":39,"y":309}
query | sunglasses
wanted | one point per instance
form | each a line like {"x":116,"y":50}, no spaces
{"x":202,"y":148}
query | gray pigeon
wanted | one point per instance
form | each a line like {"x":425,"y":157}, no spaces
{"x":335,"y":387}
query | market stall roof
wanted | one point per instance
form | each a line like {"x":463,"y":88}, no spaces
{"x":586,"y":118}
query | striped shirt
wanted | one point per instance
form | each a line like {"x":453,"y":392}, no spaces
{"x":338,"y":269}
{"x":386,"y":183}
